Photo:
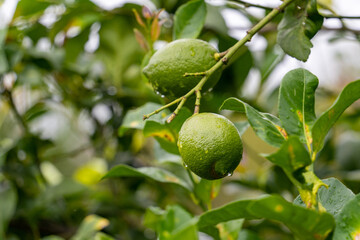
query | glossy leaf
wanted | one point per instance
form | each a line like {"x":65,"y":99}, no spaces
{"x":296,"y":103}
{"x":163,"y":134}
{"x":348,"y":221}
{"x":231,"y":229}
{"x":207,"y":190}
{"x":262,"y":123}
{"x":304,"y":223}
{"x":167,"y":133}
{"x":314,"y":20}
{"x":324,"y":123}
{"x":134,"y":118}
{"x":291,"y":156}
{"x":189,"y":19}
{"x":153,"y":173}
{"x":291,"y":31}
{"x":332,"y":198}
{"x":241,"y":126}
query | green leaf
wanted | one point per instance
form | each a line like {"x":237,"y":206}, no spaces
{"x":167,"y":133}
{"x":35,"y":111}
{"x":248,"y":235}
{"x":332,"y":198}
{"x":188,"y":231}
{"x":207,"y":190}
{"x":103,"y":236}
{"x":314,"y":20}
{"x":263,"y":124}
{"x":214,"y":19}
{"x":163,"y":134}
{"x":156,"y":174}
{"x":3,"y":33}
{"x":323,"y":124}
{"x":89,"y":227}
{"x":8,"y":198}
{"x":291,"y":31}
{"x":171,"y":224}
{"x":4,"y":66}
{"x":230,"y":229}
{"x":348,"y":221}
{"x":52,"y":237}
{"x":241,"y":126}
{"x":189,"y":19}
{"x":271,"y":61}
{"x":296,"y":103}
{"x":291,"y":156}
{"x":27,"y":8}
{"x":304,"y":223}
{"x":134,"y":118}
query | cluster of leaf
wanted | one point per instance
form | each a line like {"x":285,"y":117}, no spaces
{"x":75,"y":110}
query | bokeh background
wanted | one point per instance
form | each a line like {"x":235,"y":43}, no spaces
{"x":70,"y":71}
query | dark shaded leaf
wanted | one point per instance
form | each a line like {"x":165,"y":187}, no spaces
{"x":291,"y":31}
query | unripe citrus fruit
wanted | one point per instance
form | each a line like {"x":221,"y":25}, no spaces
{"x":210,"y":145}
{"x":168,"y":65}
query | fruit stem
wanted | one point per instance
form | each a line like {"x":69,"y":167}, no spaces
{"x":197,"y":101}
{"x":223,"y":60}
{"x":173,"y":115}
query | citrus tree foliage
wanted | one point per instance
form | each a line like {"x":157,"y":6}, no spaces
{"x":88,"y":149}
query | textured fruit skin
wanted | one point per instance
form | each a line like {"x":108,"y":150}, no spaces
{"x":210,"y":145}
{"x":168,"y":65}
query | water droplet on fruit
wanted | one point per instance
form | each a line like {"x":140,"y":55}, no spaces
{"x":157,"y":92}
{"x":229,"y":174}
{"x":162,"y":96}
{"x":185,"y":166}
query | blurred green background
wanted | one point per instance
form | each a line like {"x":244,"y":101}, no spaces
{"x":70,"y":71}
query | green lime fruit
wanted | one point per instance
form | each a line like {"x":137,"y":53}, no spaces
{"x":210,"y":145}
{"x":168,"y":65}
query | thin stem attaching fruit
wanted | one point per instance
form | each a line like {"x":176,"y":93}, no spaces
{"x":223,"y":61}
{"x":197,"y":101}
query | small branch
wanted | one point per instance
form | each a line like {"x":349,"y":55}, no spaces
{"x":340,"y":16}
{"x":218,"y":56}
{"x":247,"y":4}
{"x":162,"y":108}
{"x":195,"y":74}
{"x":15,"y":111}
{"x":223,"y":61}
{"x":173,"y":115}
{"x":197,"y":102}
